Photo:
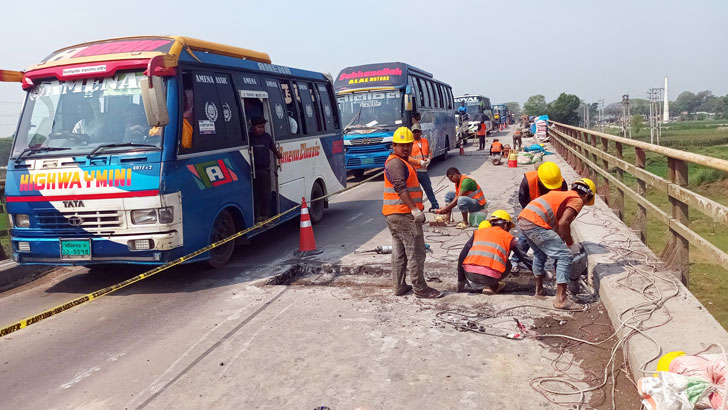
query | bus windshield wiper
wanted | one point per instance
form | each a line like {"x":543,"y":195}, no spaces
{"x":353,"y":119}
{"x":117,"y":145}
{"x":31,"y":151}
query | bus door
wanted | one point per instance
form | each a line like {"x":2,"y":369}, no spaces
{"x":255,"y":102}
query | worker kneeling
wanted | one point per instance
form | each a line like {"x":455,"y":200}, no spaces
{"x":483,"y":262}
{"x":496,"y":152}
{"x":546,"y":223}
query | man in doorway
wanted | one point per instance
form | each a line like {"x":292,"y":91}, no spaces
{"x":468,"y":197}
{"x":263,"y":145}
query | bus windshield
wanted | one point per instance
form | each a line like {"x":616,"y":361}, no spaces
{"x":474,"y":107}
{"x":82,"y":115}
{"x":371,"y":109}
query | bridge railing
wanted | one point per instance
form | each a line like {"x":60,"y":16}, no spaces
{"x":601,"y":156}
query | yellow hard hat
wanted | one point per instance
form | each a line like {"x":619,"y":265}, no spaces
{"x":591,"y":190}
{"x":550,"y":175}
{"x":484,"y":224}
{"x":500,"y":214}
{"x":663,"y":365}
{"x":403,"y":135}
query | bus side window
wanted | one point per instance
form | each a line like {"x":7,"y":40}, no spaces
{"x":433,"y":99}
{"x":301,"y":113}
{"x":210,"y":132}
{"x":230,"y":111}
{"x":307,"y":107}
{"x":280,"y":121}
{"x":329,"y":113}
{"x":317,"y":107}
{"x":424,"y":97}
{"x":417,"y":97}
{"x":433,"y":88}
{"x":449,"y":98}
{"x":439,"y":94}
{"x":291,"y":111}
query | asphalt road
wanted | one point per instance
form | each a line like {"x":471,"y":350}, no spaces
{"x":157,"y":343}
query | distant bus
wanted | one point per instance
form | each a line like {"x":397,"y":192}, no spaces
{"x":376,"y":99}
{"x":479,"y":109}
{"x":138,"y":150}
{"x":502,"y":111}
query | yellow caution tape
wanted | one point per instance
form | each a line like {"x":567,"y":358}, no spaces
{"x":109,"y":289}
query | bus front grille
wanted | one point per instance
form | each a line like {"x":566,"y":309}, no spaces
{"x":357,"y":162}
{"x":75,"y":221}
{"x":367,"y":141}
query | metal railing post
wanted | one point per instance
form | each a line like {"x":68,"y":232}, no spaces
{"x":640,"y":220}
{"x":677,"y":250}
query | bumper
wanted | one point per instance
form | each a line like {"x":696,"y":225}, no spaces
{"x":367,"y":161}
{"x":115,"y":249}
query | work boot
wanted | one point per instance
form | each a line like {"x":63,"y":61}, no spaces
{"x":403,"y":290}
{"x":430,"y":293}
{"x":461,"y":286}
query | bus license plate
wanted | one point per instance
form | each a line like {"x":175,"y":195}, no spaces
{"x":76,"y":249}
{"x":367,"y":161}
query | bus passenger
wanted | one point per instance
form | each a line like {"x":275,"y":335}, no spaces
{"x":262,"y":144}
{"x":90,"y":123}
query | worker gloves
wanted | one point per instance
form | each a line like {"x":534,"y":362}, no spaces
{"x":420,"y":217}
{"x":425,"y":163}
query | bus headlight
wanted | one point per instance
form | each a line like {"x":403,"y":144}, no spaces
{"x":166,"y":215}
{"x":22,"y":220}
{"x":144,"y":216}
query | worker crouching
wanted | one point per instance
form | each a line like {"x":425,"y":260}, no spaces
{"x":483,"y":262}
{"x":403,"y":198}
{"x":546,"y":223}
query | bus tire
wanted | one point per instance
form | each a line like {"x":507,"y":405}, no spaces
{"x":443,"y":156}
{"x":223,"y":227}
{"x":316,"y":208}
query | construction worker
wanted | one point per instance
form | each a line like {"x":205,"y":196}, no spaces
{"x":546,"y":223}
{"x":482,"y":132}
{"x":496,"y":148}
{"x":403,"y":198}
{"x":535,"y":184}
{"x":468,"y":197}
{"x":420,"y":159}
{"x":483,"y":262}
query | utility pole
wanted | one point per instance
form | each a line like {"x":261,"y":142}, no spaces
{"x":655,"y":97}
{"x":600,"y":114}
{"x":626,"y":117}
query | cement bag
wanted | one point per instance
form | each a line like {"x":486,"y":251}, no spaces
{"x":710,"y":368}
{"x":671,"y":391}
{"x":537,"y":157}
{"x":524,"y":158}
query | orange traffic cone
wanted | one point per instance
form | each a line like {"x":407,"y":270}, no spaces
{"x":462,"y":148}
{"x":307,"y":243}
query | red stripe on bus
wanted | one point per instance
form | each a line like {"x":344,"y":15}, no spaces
{"x":131,"y":194}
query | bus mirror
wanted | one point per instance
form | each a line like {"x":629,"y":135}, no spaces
{"x":408,"y":102}
{"x":154,"y":96}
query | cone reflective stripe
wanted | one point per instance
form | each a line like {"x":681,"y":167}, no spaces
{"x":307,"y":242}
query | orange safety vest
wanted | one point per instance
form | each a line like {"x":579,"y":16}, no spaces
{"x":496,"y":147}
{"x":545,"y":211}
{"x":392,"y":203}
{"x":532,"y":179}
{"x":420,"y":151}
{"x":477,"y":194}
{"x":482,"y":130}
{"x":491,"y":247}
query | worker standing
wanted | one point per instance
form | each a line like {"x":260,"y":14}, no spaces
{"x":403,"y":198}
{"x":536,"y":184}
{"x":482,"y":131}
{"x":420,"y":159}
{"x":468,"y":196}
{"x":546,"y":223}
{"x":483,"y":262}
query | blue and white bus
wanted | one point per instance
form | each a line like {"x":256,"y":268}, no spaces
{"x":376,"y":99}
{"x":137,"y":150}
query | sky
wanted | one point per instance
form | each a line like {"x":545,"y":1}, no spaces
{"x":506,"y":50}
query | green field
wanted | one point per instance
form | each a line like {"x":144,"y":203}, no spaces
{"x":708,"y":280}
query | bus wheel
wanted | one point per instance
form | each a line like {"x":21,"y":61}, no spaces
{"x":443,"y":156}
{"x":223,"y":227}
{"x":316,"y":208}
